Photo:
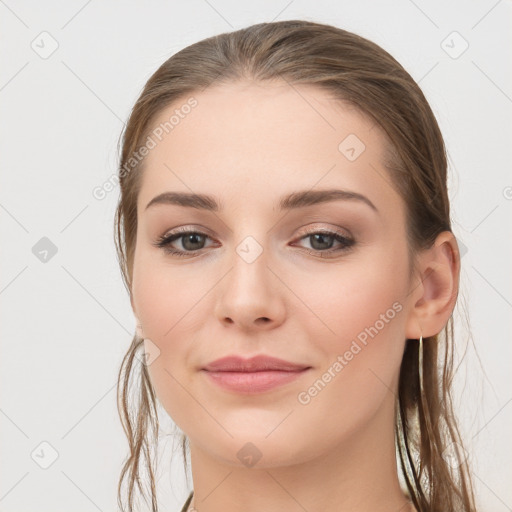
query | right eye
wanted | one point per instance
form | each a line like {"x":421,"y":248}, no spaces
{"x":191,"y":241}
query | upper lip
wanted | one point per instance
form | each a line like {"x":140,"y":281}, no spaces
{"x":254,"y":364}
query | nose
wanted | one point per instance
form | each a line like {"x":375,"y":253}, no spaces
{"x":251,"y":295}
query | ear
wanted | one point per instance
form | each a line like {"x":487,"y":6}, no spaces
{"x":435,"y":292}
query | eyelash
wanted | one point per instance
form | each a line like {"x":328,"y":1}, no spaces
{"x":164,"y":242}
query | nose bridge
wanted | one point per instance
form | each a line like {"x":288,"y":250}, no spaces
{"x":250,"y":290}
{"x":250,"y":262}
{"x":251,"y":242}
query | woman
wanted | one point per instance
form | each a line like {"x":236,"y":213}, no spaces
{"x":284,"y":234}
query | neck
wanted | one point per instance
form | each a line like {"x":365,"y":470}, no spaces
{"x":357,"y":475}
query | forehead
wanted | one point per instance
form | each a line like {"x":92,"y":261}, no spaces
{"x":249,"y":141}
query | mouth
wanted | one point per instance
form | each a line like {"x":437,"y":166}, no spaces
{"x":254,"y":375}
{"x":250,"y":382}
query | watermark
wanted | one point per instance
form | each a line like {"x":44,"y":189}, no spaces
{"x":152,"y":140}
{"x":249,"y":455}
{"x":454,"y":45}
{"x":150,"y":353}
{"x":351,"y":147}
{"x":44,"y":45}
{"x":44,"y":250}
{"x":249,"y":249}
{"x":361,"y":341}
{"x":44,"y":455}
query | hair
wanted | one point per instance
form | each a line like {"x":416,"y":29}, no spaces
{"x":356,"y":71}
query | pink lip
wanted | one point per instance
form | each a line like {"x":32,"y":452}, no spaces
{"x":254,"y":375}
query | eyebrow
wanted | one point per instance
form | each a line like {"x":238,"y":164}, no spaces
{"x":299,"y":199}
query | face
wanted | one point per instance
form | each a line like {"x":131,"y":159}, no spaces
{"x":317,"y":280}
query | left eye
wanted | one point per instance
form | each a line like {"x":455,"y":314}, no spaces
{"x":318,"y":241}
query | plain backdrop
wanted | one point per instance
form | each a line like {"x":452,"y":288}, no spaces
{"x":69,"y":75}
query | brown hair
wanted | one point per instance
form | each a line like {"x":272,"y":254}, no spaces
{"x":354,"y":70}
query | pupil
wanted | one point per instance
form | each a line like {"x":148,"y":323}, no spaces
{"x":191,"y":238}
{"x":323,"y":245}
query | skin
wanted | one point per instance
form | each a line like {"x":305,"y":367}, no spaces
{"x":248,"y":144}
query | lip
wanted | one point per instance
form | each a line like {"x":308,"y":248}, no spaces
{"x":254,"y":364}
{"x":255,"y":375}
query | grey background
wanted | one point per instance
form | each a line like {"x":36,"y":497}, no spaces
{"x":66,"y":317}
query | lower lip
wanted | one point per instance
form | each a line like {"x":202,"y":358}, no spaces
{"x":253,"y":382}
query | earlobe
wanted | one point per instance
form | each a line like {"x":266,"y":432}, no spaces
{"x":440,"y":266}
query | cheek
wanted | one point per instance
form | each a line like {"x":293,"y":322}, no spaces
{"x":339,"y":303}
{"x":165,"y":298}
{"x":171,"y":305}
{"x":356,"y":319}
